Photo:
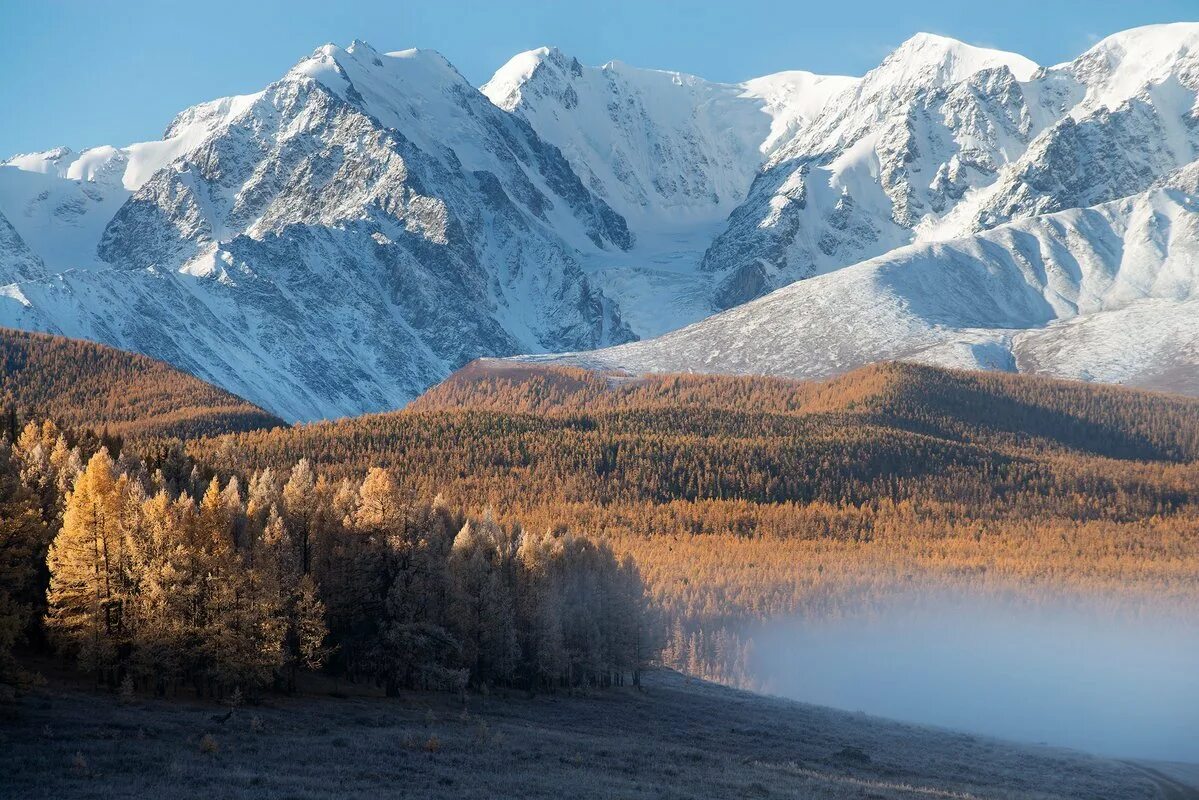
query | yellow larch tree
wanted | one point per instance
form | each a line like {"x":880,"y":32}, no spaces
{"x":84,"y":608}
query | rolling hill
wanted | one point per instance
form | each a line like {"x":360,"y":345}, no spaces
{"x":82,"y":384}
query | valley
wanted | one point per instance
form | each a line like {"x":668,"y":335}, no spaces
{"x":602,"y":431}
{"x":734,"y":504}
{"x":747,"y":499}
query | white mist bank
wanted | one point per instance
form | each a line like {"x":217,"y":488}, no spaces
{"x":1094,"y":681}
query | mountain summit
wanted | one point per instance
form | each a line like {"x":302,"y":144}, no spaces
{"x":328,"y":246}
{"x":340,"y":240}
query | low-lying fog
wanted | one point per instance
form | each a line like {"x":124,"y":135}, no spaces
{"x":1101,"y":682}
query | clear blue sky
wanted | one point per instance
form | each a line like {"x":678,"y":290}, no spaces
{"x":83,"y":73}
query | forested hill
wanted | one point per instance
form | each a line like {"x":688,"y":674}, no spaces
{"x":746,"y":498}
{"x":997,"y":409}
{"x":512,"y":436}
{"x":82,"y":384}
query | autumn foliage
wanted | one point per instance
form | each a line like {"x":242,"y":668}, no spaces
{"x":83,"y":384}
{"x":742,"y":498}
{"x":160,"y":578}
{"x":501,"y":529}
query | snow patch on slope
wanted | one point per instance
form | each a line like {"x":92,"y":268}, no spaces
{"x":1106,"y":293}
{"x":792,"y":99}
{"x":673,"y":153}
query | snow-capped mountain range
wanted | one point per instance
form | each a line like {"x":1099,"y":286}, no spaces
{"x":361,"y":227}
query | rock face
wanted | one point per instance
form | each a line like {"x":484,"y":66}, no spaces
{"x":329,"y":246}
{"x":17,"y":261}
{"x":340,"y":240}
{"x":944,"y":139}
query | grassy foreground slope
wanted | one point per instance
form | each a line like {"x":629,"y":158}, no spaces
{"x":86,"y":385}
{"x":678,"y":739}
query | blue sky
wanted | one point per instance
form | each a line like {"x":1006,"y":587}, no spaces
{"x":83,"y":73}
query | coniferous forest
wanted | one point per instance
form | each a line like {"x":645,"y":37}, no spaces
{"x":549,"y":527}
{"x":80,"y":383}
{"x":169,"y":582}
{"x":746,"y":499}
{"x":151,"y":570}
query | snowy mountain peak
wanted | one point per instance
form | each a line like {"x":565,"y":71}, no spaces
{"x":547,"y":69}
{"x":504,"y":88}
{"x":1127,"y":64}
{"x":660,"y":146}
{"x":360,"y":46}
{"x":367,"y":62}
{"x":330,"y":245}
{"x":343,"y":238}
{"x":1152,"y":45}
{"x":929,"y":58}
{"x":656,"y":145}
{"x":400,"y":88}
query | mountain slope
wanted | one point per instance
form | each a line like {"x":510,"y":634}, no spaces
{"x":17,"y":261}
{"x":672,"y":153}
{"x":61,"y":201}
{"x":944,"y":139}
{"x":354,"y":232}
{"x":81,"y":384}
{"x":335,"y":243}
{"x":1105,"y":293}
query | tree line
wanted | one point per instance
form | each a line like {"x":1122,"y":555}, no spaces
{"x":165,"y":578}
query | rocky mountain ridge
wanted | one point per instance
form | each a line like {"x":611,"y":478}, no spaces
{"x":349,"y":235}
